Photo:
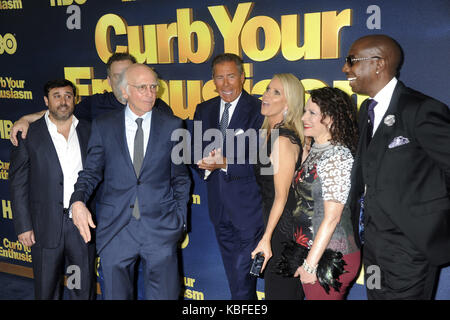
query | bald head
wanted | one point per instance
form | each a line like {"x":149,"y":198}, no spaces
{"x":137,"y":69}
{"x":139,"y":85}
{"x":386,"y":47}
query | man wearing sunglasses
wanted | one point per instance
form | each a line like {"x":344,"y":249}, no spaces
{"x":402,"y":170}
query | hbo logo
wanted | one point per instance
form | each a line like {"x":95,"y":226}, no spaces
{"x":8,"y":44}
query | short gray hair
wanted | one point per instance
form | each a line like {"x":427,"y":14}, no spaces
{"x":123,"y":80}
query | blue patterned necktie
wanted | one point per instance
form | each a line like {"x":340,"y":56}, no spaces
{"x":224,"y":120}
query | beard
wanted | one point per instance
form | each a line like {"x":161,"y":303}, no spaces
{"x":61,"y":115}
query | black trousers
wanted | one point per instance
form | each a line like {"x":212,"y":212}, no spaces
{"x":72,"y":256}
{"x":277,"y":287}
{"x":404,"y":272}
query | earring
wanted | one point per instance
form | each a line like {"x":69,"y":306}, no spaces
{"x":285,"y":112}
{"x":377,"y":72}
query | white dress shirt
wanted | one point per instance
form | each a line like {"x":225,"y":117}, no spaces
{"x":230,"y":114}
{"x":383,"y":97}
{"x":230,"y":110}
{"x":69,"y":155}
{"x":131,"y":127}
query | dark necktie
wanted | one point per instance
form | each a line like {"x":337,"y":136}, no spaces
{"x":371,"y":114}
{"x":224,"y":120}
{"x":138,"y":157}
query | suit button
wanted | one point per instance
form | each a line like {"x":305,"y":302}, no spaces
{"x":132,"y":206}
{"x":139,"y":182}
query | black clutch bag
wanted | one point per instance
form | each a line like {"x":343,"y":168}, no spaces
{"x":330,"y":268}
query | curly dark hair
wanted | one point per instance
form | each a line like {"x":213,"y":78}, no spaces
{"x":336,"y":104}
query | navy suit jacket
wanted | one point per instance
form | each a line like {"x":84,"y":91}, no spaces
{"x":409,"y":184}
{"x":36,"y":183}
{"x":235,"y":191}
{"x":162,"y":187}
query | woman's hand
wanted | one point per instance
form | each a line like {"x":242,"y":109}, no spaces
{"x":305,"y":277}
{"x":264,"y":247}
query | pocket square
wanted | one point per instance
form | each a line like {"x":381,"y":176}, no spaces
{"x":238,"y":132}
{"x":398,"y":141}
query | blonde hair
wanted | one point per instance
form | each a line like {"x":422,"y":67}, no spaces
{"x":295,"y":97}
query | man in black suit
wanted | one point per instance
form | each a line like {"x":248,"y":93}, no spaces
{"x":402,"y":167}
{"x":44,"y":168}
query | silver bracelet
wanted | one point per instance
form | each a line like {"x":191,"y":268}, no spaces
{"x":309,"y":268}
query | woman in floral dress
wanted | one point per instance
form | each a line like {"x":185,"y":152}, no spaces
{"x":322,"y":219}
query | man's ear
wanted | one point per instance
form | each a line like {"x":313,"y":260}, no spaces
{"x":46,"y":101}
{"x":381,"y":65}
{"x":124,"y":93}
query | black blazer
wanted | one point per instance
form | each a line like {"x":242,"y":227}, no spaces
{"x":410,"y":183}
{"x":36,"y":183}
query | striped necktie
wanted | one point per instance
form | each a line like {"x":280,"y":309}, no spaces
{"x":224,"y":120}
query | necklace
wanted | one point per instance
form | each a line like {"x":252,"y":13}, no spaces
{"x":320,"y":146}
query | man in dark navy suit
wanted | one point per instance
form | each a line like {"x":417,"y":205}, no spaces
{"x":44,"y":168}
{"x":234,"y":199}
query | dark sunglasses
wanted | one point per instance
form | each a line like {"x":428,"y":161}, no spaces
{"x":350,"y":60}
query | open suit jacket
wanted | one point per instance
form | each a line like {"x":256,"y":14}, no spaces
{"x":408,"y":184}
{"x":36,"y":182}
{"x":162,"y":187}
{"x":236,"y":191}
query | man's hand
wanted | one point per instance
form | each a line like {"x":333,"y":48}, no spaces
{"x":213,"y":161}
{"x":23,"y":124}
{"x":82,"y":219}
{"x":27,"y":238}
{"x":19,"y":125}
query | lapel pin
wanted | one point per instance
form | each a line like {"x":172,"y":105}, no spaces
{"x":389,"y":120}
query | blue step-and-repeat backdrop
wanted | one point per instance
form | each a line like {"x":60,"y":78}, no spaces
{"x":47,"y":39}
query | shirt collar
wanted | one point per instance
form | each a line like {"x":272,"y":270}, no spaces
{"x":53,"y":127}
{"x":233,"y":103}
{"x":132,"y":116}
{"x":384,"y":95}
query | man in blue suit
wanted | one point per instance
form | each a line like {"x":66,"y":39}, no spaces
{"x":233,"y":196}
{"x":141,"y":209}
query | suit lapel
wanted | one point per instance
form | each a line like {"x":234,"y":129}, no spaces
{"x":46,"y":144}
{"x":83,"y":139}
{"x":363,"y":127}
{"x":120,"y":137}
{"x":240,"y":113}
{"x":214,"y":115}
{"x":384,"y":133}
{"x":157,"y":122}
